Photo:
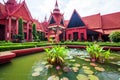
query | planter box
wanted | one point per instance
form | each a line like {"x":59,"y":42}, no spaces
{"x":6,"y":57}
{"x":22,"y":52}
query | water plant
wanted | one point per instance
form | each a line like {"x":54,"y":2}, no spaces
{"x":97,"y":53}
{"x":56,"y":55}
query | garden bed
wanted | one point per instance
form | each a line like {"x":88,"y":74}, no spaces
{"x":105,"y":47}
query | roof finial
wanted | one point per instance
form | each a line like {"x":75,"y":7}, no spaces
{"x":45,"y":18}
{"x":12,"y":2}
{"x":56,"y":5}
{"x":4,"y":1}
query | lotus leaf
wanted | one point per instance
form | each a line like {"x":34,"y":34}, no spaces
{"x":53,"y":78}
{"x":35,"y":74}
{"x":44,"y":62}
{"x":38,"y":69}
{"x":118,"y":63}
{"x":99,"y":68}
{"x":76,"y":65}
{"x":93,"y":77}
{"x":75,"y":69}
{"x":113,"y":62}
{"x":88,"y":71}
{"x":85,"y":67}
{"x":93,"y":64}
{"x":48,"y":66}
{"x":72,"y":60}
{"x":87,"y":60}
{"x":64,"y":78}
{"x":118,"y":69}
{"x":82,"y":77}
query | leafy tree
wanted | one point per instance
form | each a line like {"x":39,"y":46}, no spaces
{"x":34,"y":32}
{"x":20,"y":30}
{"x":41,"y":36}
{"x":115,"y":36}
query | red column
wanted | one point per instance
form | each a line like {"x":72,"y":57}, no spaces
{"x":16,"y":26}
{"x":100,"y":36}
{"x":85,"y":34}
{"x":72,"y":36}
{"x":67,"y":35}
{"x":28,"y":31}
{"x":9,"y":29}
{"x":79,"y":38}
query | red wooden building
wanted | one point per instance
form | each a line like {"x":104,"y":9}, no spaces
{"x":10,"y":12}
{"x":90,"y":28}
{"x":93,"y":27}
{"x":55,"y":25}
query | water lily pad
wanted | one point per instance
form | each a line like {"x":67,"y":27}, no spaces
{"x":87,"y":60}
{"x":75,"y":69}
{"x":85,"y":67}
{"x":48,"y":66}
{"x":45,"y":62}
{"x":93,"y":64}
{"x":35,"y":74}
{"x":76,"y":65}
{"x":113,"y":62}
{"x":118,"y":69}
{"x":88,"y":71}
{"x":53,"y":78}
{"x":64,"y":78}
{"x":82,"y":77}
{"x":93,"y":77}
{"x":38,"y":69}
{"x":111,"y":57}
{"x":118,"y":63}
{"x":60,"y":72}
{"x":66,"y":69}
{"x":99,"y":68}
{"x":72,"y":60}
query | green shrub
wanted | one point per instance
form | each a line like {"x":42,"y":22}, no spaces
{"x":6,"y":48}
{"x":34,"y":32}
{"x":20,"y":30}
{"x":115,"y":36}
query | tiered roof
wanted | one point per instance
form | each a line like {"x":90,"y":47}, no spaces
{"x":56,"y":17}
{"x":12,"y":8}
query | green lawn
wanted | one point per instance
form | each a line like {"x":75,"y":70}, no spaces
{"x":20,"y":67}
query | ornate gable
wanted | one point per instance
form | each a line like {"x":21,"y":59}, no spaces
{"x":23,"y":12}
{"x":75,"y":21}
{"x":52,"y":21}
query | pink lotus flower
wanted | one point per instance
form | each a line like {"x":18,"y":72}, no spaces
{"x":57,"y":67}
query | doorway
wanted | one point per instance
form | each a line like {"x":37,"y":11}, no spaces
{"x":75,"y":36}
{"x":2,"y":32}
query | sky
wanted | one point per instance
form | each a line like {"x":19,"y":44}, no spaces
{"x":41,"y":8}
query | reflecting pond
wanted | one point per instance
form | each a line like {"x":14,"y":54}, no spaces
{"x":78,"y":67}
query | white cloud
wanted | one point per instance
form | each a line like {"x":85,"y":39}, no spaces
{"x":41,"y":8}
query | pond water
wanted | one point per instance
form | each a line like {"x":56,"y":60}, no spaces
{"x":78,"y":67}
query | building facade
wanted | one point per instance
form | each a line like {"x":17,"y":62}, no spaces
{"x":89,"y":28}
{"x":10,"y":12}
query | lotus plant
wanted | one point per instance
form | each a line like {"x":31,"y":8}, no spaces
{"x":56,"y":55}
{"x":97,"y":53}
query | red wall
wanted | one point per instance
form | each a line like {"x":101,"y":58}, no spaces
{"x":79,"y":30}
